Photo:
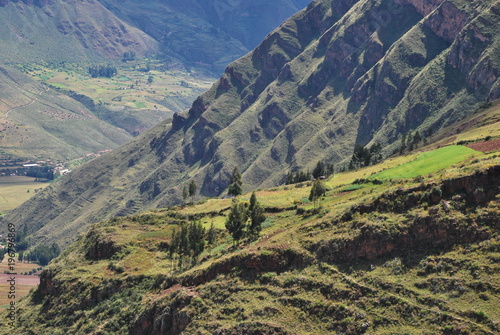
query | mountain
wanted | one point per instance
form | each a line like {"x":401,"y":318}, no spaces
{"x":66,"y":30}
{"x":39,"y":123}
{"x":55,"y":40}
{"x":398,"y":247}
{"x":335,"y":75}
{"x":203,"y":34}
{"x":207,"y":34}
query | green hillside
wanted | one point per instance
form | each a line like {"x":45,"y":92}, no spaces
{"x":412,"y":255}
{"x":429,"y":162}
{"x":38,"y":123}
{"x":326,"y":80}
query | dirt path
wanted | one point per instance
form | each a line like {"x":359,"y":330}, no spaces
{"x":28,"y":104}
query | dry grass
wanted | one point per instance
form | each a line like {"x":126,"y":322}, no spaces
{"x":17,"y":189}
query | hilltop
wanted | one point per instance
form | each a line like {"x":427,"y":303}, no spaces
{"x":331,"y":78}
{"x":392,"y":248}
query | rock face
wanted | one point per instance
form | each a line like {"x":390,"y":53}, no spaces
{"x":338,"y":73}
{"x":426,"y":232}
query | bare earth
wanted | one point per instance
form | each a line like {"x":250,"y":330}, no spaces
{"x":486,"y":146}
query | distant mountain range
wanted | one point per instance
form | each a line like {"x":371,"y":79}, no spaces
{"x":201,"y":35}
{"x":205,"y":34}
{"x":336,"y":74}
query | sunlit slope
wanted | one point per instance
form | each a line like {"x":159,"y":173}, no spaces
{"x":412,"y":254}
{"x":38,"y":123}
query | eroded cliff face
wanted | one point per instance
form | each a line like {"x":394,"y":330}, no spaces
{"x":422,"y":232}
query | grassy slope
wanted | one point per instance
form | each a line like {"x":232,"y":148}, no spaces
{"x":16,"y":190}
{"x":364,"y":263}
{"x":429,"y":162}
{"x":39,"y":123}
{"x":127,"y":100}
{"x":304,"y":94}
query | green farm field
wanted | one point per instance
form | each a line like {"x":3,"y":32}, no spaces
{"x":17,"y":189}
{"x":133,"y":94}
{"x":429,"y":162}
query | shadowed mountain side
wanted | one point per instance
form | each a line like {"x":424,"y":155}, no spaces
{"x":206,"y":33}
{"x":337,"y":74}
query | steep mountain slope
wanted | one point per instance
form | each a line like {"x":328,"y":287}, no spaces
{"x":207,"y":34}
{"x":66,"y":30}
{"x":38,"y":123}
{"x":337,"y":74}
{"x":382,"y":255}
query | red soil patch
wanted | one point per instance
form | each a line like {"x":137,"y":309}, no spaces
{"x":191,"y":291}
{"x":486,"y":146}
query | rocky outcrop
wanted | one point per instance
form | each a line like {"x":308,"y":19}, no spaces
{"x":98,"y":246}
{"x":277,"y":260}
{"x":423,"y":234}
{"x":165,"y":317}
{"x":427,"y":232}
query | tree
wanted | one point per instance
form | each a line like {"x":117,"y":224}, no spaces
{"x":319,"y":170}
{"x":196,"y":234}
{"x":235,"y":183}
{"x":192,"y":190}
{"x":257,"y":216}
{"x":150,"y":80}
{"x":236,"y":220}
{"x":185,"y":193}
{"x":317,"y":191}
{"x":211,"y":235}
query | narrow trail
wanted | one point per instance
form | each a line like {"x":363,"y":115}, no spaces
{"x":27,"y":104}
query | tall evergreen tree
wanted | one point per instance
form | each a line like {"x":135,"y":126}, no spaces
{"x":235,"y":183}
{"x":211,"y":235}
{"x":236,"y":220}
{"x":192,"y":190}
{"x":257,"y":216}
{"x":185,"y":193}
{"x":317,"y":191}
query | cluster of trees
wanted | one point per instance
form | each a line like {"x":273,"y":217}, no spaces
{"x":237,"y":220}
{"x":298,"y":177}
{"x":128,"y":55}
{"x":411,"y":141}
{"x":322,"y":169}
{"x":106,"y":71}
{"x":41,"y":254}
{"x":42,"y":172}
{"x":190,"y":240}
{"x":365,"y":156}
